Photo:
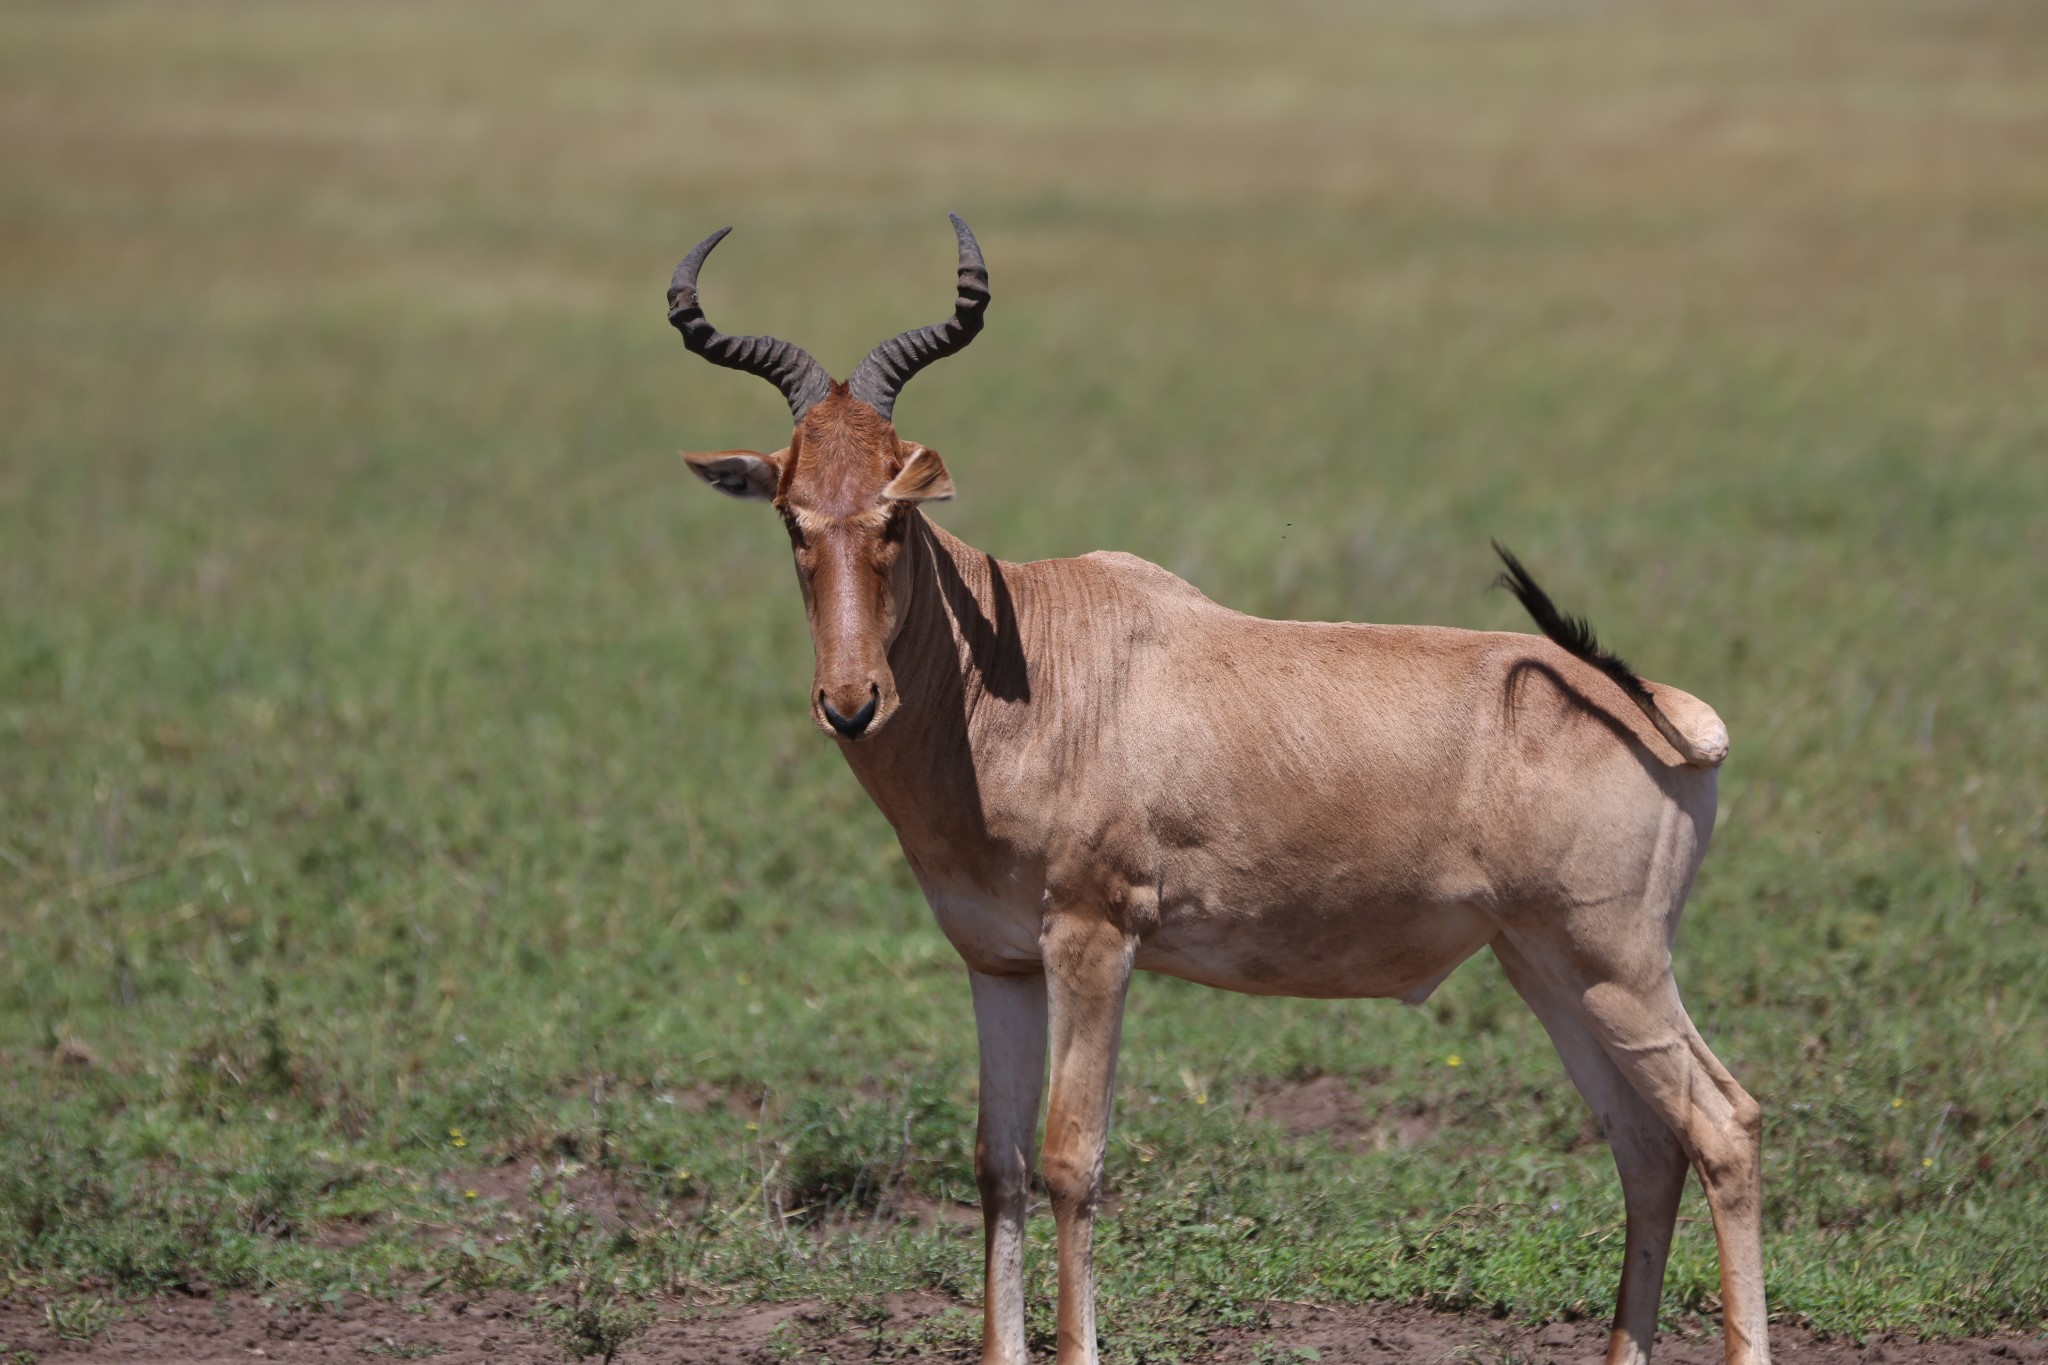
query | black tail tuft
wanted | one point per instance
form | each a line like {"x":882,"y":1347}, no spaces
{"x":1574,"y":633}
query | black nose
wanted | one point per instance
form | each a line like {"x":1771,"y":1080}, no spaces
{"x":852,"y":726}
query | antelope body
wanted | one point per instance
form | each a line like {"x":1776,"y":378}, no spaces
{"x":1094,"y":769}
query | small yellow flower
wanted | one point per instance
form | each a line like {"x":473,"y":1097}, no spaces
{"x":1201,"y":1099}
{"x":1926,"y":1161}
{"x":682,"y":1174}
{"x":455,"y":1132}
{"x":1454,"y":1060}
{"x":461,"y":1142}
{"x":469,"y":1194}
{"x":753,"y":1127}
{"x":1898,"y":1101}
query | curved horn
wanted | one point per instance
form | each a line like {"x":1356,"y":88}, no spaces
{"x":787,"y":366}
{"x":890,"y":365}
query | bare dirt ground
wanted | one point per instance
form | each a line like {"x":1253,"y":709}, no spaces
{"x":496,"y":1327}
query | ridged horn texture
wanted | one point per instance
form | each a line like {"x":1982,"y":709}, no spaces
{"x":890,"y":365}
{"x":787,"y":366}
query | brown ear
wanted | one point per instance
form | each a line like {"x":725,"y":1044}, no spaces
{"x":924,"y":478}
{"x":740,"y":473}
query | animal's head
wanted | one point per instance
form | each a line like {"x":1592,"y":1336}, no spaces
{"x":847,"y":485}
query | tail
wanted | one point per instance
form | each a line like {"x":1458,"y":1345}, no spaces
{"x":1575,"y":635}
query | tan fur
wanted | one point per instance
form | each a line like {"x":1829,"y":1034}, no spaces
{"x":1094,"y":769}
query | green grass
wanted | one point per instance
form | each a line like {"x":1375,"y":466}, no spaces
{"x":403,"y":769}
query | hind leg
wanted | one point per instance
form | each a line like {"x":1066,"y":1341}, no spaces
{"x":1619,"y":985}
{"x":1647,"y":1156}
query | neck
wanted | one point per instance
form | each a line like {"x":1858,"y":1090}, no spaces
{"x":960,"y":668}
{"x":961,"y":633}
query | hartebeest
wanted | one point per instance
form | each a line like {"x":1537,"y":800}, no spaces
{"x":1092,"y":768}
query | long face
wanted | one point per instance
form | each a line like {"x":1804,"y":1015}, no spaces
{"x":848,"y":489}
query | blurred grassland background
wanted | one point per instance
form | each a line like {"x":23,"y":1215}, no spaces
{"x":405,"y":789}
